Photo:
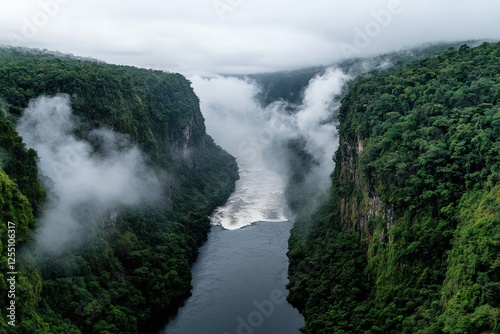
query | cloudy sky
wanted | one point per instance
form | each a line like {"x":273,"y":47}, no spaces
{"x":240,"y":36}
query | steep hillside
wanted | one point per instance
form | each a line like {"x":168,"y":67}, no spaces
{"x":410,"y":240}
{"x":136,"y":265}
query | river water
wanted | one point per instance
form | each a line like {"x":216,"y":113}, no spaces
{"x":239,"y":280}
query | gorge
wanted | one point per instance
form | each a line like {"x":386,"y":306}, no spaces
{"x":366,"y":192}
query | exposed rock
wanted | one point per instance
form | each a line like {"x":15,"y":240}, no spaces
{"x":359,"y":201}
{"x":186,"y":146}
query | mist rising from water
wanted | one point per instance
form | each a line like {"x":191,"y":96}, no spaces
{"x":256,"y":135}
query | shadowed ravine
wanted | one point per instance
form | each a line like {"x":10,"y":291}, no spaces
{"x":239,"y":280}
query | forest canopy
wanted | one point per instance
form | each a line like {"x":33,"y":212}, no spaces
{"x":137,"y":265}
{"x":410,"y":239}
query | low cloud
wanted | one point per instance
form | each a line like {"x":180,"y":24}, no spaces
{"x":87,"y":183}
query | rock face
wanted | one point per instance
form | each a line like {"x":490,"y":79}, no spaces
{"x":187,"y":153}
{"x":359,"y":201}
{"x":110,"y":218}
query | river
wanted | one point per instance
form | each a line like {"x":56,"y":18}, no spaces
{"x":239,"y":280}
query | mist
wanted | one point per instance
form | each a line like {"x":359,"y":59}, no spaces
{"x":87,"y":184}
{"x":257,"y":136}
{"x":316,"y":120}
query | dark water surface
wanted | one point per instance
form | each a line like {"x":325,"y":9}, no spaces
{"x":239,"y":284}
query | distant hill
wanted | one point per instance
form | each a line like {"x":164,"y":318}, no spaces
{"x":289,"y":85}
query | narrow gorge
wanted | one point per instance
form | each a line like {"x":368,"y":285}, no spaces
{"x":358,"y":197}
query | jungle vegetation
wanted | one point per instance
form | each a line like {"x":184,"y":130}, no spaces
{"x":409,"y":241}
{"x":138,"y":269}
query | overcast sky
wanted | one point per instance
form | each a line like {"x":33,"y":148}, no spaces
{"x":240,"y":36}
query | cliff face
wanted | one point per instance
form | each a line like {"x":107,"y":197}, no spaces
{"x":136,"y":264}
{"x":360,"y":204}
{"x":409,"y":240}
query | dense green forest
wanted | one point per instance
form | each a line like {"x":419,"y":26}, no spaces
{"x":409,"y":241}
{"x":139,"y":268}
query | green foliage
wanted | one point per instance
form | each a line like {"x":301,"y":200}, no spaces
{"x":471,"y":290}
{"x":416,"y":187}
{"x":287,"y":86}
{"x":150,"y":106}
{"x":19,"y":163}
{"x":21,"y":195}
{"x":138,"y":268}
{"x":15,"y":208}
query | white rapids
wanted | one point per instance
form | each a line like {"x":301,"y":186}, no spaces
{"x":258,"y":196}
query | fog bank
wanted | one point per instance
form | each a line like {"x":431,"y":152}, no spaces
{"x":87,"y":184}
